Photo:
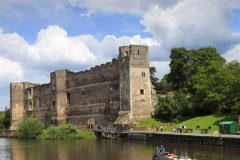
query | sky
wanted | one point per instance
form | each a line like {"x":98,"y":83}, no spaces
{"x":39,"y":37}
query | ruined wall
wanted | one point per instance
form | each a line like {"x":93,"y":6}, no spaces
{"x":102,"y":93}
{"x":91,"y":95}
{"x":98,"y":74}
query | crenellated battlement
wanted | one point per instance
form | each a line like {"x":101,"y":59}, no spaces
{"x":96,"y":68}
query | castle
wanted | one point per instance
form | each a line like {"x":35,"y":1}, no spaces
{"x":116,"y":92}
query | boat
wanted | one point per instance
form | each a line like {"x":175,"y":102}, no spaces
{"x":168,"y":156}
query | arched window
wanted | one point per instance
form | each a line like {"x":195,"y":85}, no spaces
{"x":126,"y":53}
{"x":68,"y":98}
{"x":39,"y":102}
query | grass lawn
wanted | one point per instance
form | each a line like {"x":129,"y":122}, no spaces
{"x":203,"y":121}
{"x":152,"y":122}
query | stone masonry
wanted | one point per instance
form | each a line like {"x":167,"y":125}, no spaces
{"x":116,"y":92}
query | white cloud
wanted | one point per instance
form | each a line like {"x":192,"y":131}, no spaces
{"x":162,"y":68}
{"x":10,"y":71}
{"x":233,"y":54}
{"x":191,"y":24}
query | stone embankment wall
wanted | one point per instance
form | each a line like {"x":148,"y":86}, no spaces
{"x":8,"y":133}
{"x":211,"y":140}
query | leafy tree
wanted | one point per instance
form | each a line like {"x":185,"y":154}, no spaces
{"x":29,"y":128}
{"x":6,"y":120}
{"x":152,"y":76}
{"x":210,"y":83}
{"x":172,"y":108}
{"x":184,"y":64}
{"x":232,"y":92}
{"x":161,"y":88}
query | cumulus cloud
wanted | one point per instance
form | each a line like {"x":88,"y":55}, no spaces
{"x":54,"y":48}
{"x":192,"y":24}
{"x":233,"y":54}
{"x":162,"y":68}
{"x":10,"y":71}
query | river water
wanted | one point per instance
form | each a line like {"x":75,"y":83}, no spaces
{"x":17,"y":149}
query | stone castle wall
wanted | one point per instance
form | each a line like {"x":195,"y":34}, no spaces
{"x":100,"y":94}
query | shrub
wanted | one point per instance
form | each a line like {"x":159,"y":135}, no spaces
{"x":29,"y":128}
{"x":65,"y":131}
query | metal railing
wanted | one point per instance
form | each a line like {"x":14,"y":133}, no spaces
{"x":112,"y":130}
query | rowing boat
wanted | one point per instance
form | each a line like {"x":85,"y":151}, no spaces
{"x":167,"y":156}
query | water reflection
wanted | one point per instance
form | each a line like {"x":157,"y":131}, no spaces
{"x":17,"y":149}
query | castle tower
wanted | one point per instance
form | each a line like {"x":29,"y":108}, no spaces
{"x":135,"y":85}
{"x":60,"y":97}
{"x":17,"y":102}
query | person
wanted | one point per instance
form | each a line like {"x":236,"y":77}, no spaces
{"x":161,"y":149}
{"x":185,"y":128}
{"x":161,"y":128}
{"x":157,"y":128}
{"x":174,"y":128}
{"x":180,"y":129}
{"x":157,"y":150}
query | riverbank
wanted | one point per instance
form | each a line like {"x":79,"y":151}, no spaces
{"x":187,"y":138}
{"x":84,"y":134}
{"x":190,"y":123}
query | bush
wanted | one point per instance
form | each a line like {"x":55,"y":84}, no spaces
{"x":29,"y":128}
{"x":65,"y":131}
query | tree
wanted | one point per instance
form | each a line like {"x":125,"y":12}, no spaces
{"x":232,"y":92}
{"x":152,"y":76}
{"x":29,"y":128}
{"x":184,"y":64}
{"x":161,"y":88}
{"x":6,"y":120}
{"x":210,"y":83}
{"x":173,"y":108}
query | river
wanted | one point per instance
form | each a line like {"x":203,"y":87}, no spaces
{"x":75,"y":149}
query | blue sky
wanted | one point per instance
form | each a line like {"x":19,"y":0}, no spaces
{"x":39,"y":37}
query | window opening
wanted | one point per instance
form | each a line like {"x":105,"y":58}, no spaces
{"x":141,"y":91}
{"x":68,"y":98}
{"x":125,"y":53}
{"x":143,"y":74}
{"x":30,"y":104}
{"x":30,"y":92}
{"x":138,"y":52}
{"x":124,"y":74}
{"x":82,"y":92}
{"x":53,"y":103}
{"x":39,"y":102}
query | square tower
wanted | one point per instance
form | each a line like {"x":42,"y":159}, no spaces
{"x":135,"y":84}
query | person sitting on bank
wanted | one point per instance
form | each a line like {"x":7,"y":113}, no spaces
{"x":157,"y":128}
{"x":174,"y":128}
{"x":161,"y":128}
{"x":161,"y":149}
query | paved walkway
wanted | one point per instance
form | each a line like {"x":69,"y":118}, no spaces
{"x":189,"y":134}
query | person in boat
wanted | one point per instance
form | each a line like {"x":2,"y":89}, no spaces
{"x":161,"y":149}
{"x":157,"y":150}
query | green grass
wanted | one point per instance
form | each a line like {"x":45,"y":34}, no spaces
{"x":152,"y":122}
{"x":203,"y":121}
